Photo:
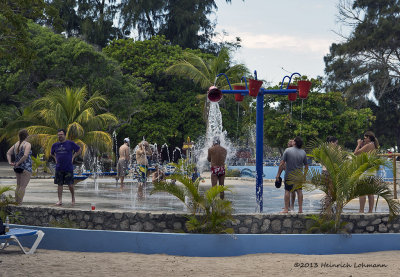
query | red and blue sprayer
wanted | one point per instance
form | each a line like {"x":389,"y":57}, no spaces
{"x":255,"y":90}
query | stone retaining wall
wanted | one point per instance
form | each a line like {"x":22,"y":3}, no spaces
{"x":175,"y":222}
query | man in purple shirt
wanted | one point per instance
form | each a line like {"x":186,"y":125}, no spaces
{"x":64,"y":152}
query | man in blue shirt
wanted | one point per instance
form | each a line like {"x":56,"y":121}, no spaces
{"x":64,"y":152}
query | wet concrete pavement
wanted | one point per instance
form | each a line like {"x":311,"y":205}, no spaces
{"x":105,"y":193}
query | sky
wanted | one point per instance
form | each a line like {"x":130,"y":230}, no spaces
{"x":280,"y":37}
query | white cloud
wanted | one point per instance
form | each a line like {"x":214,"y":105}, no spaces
{"x":297,"y":44}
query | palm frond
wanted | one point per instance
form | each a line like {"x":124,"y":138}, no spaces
{"x":98,"y":139}
{"x":175,"y":190}
{"x":372,"y":185}
{"x":75,"y":130}
{"x":4,"y":189}
{"x":214,"y":192}
{"x":192,"y":188}
{"x":187,"y":70}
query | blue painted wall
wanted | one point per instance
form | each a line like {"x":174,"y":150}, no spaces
{"x":202,"y":245}
{"x":270,"y":171}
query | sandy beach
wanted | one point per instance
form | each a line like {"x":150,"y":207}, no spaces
{"x":63,"y":263}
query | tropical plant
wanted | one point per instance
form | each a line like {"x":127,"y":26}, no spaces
{"x":183,"y":167}
{"x":367,"y":60}
{"x":208,"y":213}
{"x":38,"y":162}
{"x":318,"y":116}
{"x":323,"y":225}
{"x":6,"y":199}
{"x":72,"y":110}
{"x":347,"y":177}
{"x":204,"y":71}
{"x":15,"y":44}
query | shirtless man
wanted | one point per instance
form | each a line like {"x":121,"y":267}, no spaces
{"x":123,"y":161}
{"x":217,"y":156}
{"x":141,"y":158}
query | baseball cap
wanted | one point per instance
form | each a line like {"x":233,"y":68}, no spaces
{"x":126,"y":140}
{"x":278,"y":184}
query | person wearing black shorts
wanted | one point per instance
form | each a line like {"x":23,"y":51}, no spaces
{"x":294,"y":158}
{"x":64,"y":152}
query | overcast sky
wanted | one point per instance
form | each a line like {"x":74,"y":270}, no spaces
{"x":290,"y":34}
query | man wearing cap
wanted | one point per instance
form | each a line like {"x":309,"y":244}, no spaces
{"x":217,"y":156}
{"x":123,"y":161}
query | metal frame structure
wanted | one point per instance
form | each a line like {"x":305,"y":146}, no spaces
{"x":260,"y":128}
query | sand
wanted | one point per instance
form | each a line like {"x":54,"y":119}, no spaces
{"x":63,"y":263}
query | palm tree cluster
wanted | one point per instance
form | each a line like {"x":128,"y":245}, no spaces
{"x":70,"y":109}
{"x":347,"y":177}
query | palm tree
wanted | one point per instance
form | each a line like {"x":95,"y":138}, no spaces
{"x":204,"y":71}
{"x":208,"y":213}
{"x":348,"y":178}
{"x":71,"y":110}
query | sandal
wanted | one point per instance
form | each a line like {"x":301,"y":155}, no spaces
{"x":58,"y":203}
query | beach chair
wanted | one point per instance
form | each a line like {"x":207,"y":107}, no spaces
{"x":15,"y":233}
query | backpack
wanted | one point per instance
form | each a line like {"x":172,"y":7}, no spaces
{"x":2,"y":227}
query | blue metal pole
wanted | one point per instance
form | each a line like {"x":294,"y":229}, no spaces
{"x":259,"y":150}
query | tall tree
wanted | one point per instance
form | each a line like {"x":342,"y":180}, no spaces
{"x":92,"y":20}
{"x":66,"y":62}
{"x":318,"y":116}
{"x":187,"y":23}
{"x":369,"y":58}
{"x":387,"y":114}
{"x":14,"y":38}
{"x":158,"y":119}
{"x":143,"y":16}
{"x":183,"y":22}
